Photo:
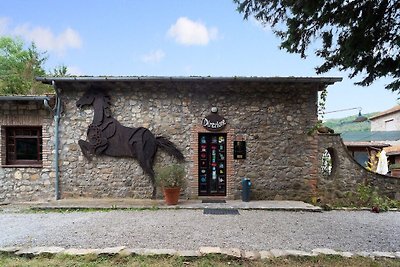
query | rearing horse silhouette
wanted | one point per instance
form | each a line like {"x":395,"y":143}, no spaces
{"x":108,"y":137}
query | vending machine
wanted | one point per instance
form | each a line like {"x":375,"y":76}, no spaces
{"x":212,"y":164}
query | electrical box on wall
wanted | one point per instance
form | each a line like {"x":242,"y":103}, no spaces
{"x":239,"y":149}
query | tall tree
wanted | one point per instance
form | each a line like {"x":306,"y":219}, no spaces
{"x":19,"y":67}
{"x":361,"y":36}
{"x":60,"y":71}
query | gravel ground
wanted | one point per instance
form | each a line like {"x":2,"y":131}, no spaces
{"x":190,"y":229}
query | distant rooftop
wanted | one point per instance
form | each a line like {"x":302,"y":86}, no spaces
{"x":386,"y":112}
{"x":392,"y":150}
{"x":367,"y":144}
{"x":367,"y":136}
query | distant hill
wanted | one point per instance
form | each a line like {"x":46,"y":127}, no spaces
{"x":347,"y":125}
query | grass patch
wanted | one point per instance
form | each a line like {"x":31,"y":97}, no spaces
{"x":61,"y":260}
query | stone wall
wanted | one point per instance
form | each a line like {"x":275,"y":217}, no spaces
{"x":283,"y":161}
{"x":27,"y":183}
{"x":347,"y":174}
{"x":273,"y":119}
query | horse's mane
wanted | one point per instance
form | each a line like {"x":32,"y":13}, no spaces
{"x":99,"y":91}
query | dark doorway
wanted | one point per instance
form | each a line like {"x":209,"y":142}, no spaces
{"x":212,"y":164}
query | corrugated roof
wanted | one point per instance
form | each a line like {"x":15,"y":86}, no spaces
{"x":327,"y":80}
{"x":69,"y":82}
{"x":386,"y":112}
{"x":366,"y":144}
{"x":367,"y":136}
{"x":392,"y":150}
{"x":24,"y":98}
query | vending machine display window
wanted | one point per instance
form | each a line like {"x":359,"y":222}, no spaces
{"x":212,"y":164}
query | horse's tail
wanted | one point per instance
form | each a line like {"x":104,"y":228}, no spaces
{"x":169,"y":147}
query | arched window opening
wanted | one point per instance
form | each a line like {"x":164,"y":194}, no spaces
{"x":327,"y":162}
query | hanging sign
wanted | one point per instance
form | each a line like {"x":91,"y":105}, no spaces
{"x":213,"y":122}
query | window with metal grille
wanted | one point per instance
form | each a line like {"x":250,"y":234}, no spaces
{"x":24,"y":145}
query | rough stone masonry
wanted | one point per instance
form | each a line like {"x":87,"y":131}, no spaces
{"x":273,"y":118}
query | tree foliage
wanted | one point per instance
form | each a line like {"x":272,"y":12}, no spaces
{"x":19,"y":66}
{"x":60,"y":71}
{"x":360,"y":36}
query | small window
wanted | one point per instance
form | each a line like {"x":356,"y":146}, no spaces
{"x":390,"y":125}
{"x":24,"y":146}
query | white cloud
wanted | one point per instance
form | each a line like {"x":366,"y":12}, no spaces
{"x":3,"y":25}
{"x":74,"y":70}
{"x":188,"y":32}
{"x":43,"y":37}
{"x":153,"y":56}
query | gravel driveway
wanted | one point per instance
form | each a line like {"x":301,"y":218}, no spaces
{"x":190,"y":229}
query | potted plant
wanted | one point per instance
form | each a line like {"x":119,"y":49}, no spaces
{"x":171,"y":179}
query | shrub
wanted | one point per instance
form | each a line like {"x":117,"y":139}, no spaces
{"x":171,"y":176}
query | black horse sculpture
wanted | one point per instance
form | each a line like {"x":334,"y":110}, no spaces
{"x":108,"y":137}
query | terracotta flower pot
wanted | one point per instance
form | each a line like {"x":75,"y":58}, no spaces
{"x":171,"y":195}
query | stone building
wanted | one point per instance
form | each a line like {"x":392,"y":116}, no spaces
{"x":226,"y":128}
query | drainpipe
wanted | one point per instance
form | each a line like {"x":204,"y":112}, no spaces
{"x":56,"y":141}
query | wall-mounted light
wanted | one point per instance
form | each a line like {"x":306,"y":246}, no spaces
{"x":360,"y":117}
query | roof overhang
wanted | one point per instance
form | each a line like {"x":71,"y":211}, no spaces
{"x":392,"y":110}
{"x":78,"y":82}
{"x":24,"y":98}
{"x":393,"y":153}
{"x":366,"y":144}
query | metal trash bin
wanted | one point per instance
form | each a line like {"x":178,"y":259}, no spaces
{"x":246,"y":184}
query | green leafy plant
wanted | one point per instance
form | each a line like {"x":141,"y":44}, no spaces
{"x":20,"y":64}
{"x":360,"y":37}
{"x":365,"y":196}
{"x":321,"y":111}
{"x":171,"y":176}
{"x":314,"y":129}
{"x":322,"y":102}
{"x":370,"y":197}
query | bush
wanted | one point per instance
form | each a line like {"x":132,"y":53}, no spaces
{"x":370,"y":197}
{"x":365,"y":196}
{"x":171,"y":176}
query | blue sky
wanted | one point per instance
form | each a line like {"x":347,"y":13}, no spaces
{"x":170,"y":38}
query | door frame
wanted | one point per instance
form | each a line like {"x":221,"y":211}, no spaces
{"x":209,"y":194}
{"x":194,"y":144}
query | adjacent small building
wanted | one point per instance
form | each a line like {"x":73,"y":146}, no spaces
{"x":365,"y":143}
{"x":26,"y":148}
{"x":384,"y":134}
{"x":388,"y":120}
